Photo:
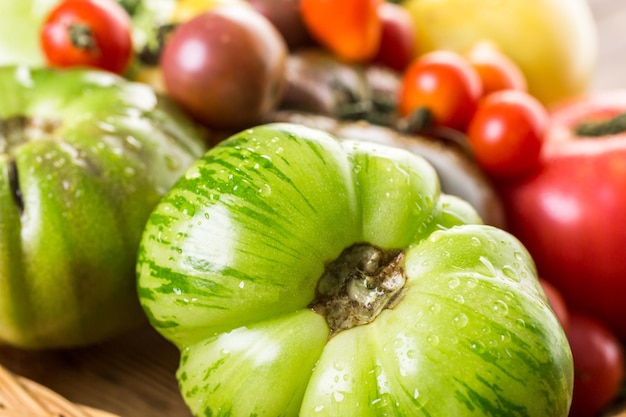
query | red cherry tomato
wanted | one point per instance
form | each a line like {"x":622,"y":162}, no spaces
{"x":598,"y":365}
{"x":398,"y":42}
{"x":445,"y":84}
{"x":497,"y":71}
{"x":88,"y":33}
{"x":506,"y":133}
{"x":351,"y":29}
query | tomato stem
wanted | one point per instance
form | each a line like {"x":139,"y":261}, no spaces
{"x":418,"y":121}
{"x":596,"y":128}
{"x":150,"y":54}
{"x":356,"y":287}
{"x":82,"y":37}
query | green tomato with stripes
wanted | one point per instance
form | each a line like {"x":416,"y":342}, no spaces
{"x":84,"y":158}
{"x":304,"y":275}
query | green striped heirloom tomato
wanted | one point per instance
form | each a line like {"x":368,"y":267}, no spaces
{"x":303,"y":275}
{"x":84,"y":158}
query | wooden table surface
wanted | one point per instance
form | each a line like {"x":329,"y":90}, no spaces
{"x":134,"y":375}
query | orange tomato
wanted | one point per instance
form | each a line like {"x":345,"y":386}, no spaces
{"x":350,"y":29}
{"x":496,"y":70}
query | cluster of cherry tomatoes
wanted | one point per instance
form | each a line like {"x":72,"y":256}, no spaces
{"x":481,"y":93}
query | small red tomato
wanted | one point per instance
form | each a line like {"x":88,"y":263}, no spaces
{"x":497,"y":71}
{"x":351,"y":29}
{"x":398,"y":42}
{"x":598,"y":365}
{"x":557,"y":302}
{"x":506,"y":133}
{"x":87,"y":33}
{"x":443,"y":83}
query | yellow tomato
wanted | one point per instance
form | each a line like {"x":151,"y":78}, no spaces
{"x":554,"y":42}
{"x":187,"y":9}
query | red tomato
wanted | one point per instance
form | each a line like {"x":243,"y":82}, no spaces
{"x":570,"y":213}
{"x":90,"y":33}
{"x":557,"y":302}
{"x":351,"y":29}
{"x":445,"y":84}
{"x":598,"y":365}
{"x":506,"y":133}
{"x":497,"y":71}
{"x":398,"y":44}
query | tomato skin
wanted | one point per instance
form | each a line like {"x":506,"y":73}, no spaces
{"x":598,"y":365}
{"x":570,"y":216}
{"x":89,"y":33}
{"x":351,"y":29}
{"x":570,"y":212}
{"x":206,"y":70}
{"x":557,"y":302}
{"x":506,"y":133}
{"x":231,"y":278}
{"x":497,"y":71}
{"x":398,"y":44}
{"x":286,"y":16}
{"x":444,"y":83}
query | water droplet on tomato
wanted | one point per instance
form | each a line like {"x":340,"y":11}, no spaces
{"x":193,"y":172}
{"x":265,"y":190}
{"x":338,"y":396}
{"x":453,"y":283}
{"x":433,"y":339}
{"x":461,"y":320}
{"x":478,"y":347}
{"x":339,"y":366}
{"x":511,"y":272}
{"x":132,"y":143}
{"x":501,"y":307}
{"x":171,"y":162}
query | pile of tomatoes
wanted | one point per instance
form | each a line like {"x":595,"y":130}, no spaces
{"x":226,"y":68}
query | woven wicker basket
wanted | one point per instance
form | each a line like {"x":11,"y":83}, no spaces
{"x":21,"y":397}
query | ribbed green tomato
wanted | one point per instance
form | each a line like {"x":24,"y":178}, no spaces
{"x":304,"y":275}
{"x":84,"y":158}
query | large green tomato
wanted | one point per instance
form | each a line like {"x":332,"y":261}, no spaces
{"x":84,"y":158}
{"x":553,"y":41}
{"x":304,"y":275}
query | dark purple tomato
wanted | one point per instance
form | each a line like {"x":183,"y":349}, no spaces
{"x":286,"y":17}
{"x":226,"y":67}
